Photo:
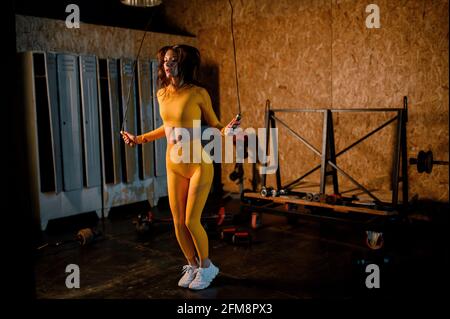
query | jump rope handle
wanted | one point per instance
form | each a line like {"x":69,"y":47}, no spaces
{"x":236,"y":118}
{"x":123,"y":134}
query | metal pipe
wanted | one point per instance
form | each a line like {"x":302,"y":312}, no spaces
{"x":354,"y":181}
{"x":141,"y":3}
{"x":337,"y":110}
{"x":312,"y":148}
{"x":343,"y":151}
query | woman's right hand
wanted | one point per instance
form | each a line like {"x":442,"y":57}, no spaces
{"x":229,"y":130}
{"x":128,"y":138}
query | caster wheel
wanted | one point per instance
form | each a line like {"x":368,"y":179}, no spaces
{"x":374,"y":240}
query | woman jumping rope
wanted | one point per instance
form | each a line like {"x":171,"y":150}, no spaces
{"x":182,"y":101}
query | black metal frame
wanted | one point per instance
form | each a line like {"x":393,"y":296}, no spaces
{"x":328,"y":155}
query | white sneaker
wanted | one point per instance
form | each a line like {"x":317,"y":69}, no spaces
{"x":189,"y":273}
{"x":204,"y":277}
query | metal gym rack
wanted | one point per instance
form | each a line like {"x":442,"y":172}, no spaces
{"x":283,"y":200}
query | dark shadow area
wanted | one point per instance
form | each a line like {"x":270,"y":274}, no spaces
{"x":103,"y":12}
{"x":307,"y":260}
{"x":20,"y":280}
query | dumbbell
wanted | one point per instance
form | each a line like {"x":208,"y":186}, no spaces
{"x":242,"y":238}
{"x":227,"y":233}
{"x":87,"y":236}
{"x":316,"y":197}
{"x":144,"y":222}
{"x":266,"y":191}
{"x":270,"y":191}
{"x":236,"y":236}
{"x":425,"y":162}
{"x":280,"y":192}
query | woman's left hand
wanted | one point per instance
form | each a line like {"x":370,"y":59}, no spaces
{"x":231,"y":127}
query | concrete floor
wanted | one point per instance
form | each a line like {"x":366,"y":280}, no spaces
{"x":308,"y":260}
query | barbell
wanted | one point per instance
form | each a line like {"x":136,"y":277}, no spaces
{"x":425,"y":162}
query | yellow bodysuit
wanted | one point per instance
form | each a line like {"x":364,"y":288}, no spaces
{"x":188,"y":183}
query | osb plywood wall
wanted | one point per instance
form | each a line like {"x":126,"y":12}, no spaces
{"x":43,"y":34}
{"x":319,"y":54}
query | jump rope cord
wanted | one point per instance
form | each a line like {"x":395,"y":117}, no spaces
{"x":133,"y":73}
{"x":235,"y":60}
{"x":139,"y":52}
